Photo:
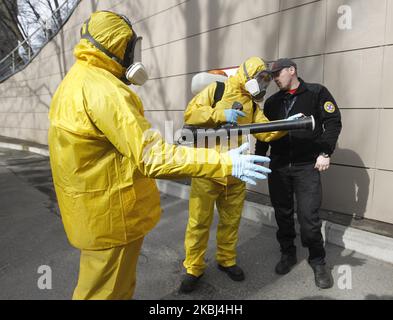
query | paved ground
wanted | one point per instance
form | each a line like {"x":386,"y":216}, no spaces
{"x":31,"y":235}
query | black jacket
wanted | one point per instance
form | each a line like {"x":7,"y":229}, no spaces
{"x":303,"y":147}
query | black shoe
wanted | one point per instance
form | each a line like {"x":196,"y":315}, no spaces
{"x":234,"y":272}
{"x":189,"y":283}
{"x":323,"y":278}
{"x":285,"y":264}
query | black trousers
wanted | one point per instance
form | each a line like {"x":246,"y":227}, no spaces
{"x":305,"y":183}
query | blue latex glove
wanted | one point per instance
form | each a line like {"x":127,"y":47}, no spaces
{"x":295,"y":116}
{"x":232,"y":114}
{"x":244,"y":167}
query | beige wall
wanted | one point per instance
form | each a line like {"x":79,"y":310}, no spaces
{"x":184,"y":37}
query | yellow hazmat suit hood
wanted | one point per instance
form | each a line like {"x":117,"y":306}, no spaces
{"x":253,"y":65}
{"x":113,"y":33}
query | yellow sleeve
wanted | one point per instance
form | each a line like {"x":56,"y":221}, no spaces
{"x":131,"y":134}
{"x":199,"y":111}
{"x":259,"y":117}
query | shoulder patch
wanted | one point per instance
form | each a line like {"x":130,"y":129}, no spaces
{"x":329,"y":107}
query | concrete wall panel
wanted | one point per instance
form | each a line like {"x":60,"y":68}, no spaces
{"x":382,"y":207}
{"x":166,"y":93}
{"x":356,"y":145}
{"x":389,"y":23}
{"x":302,"y":30}
{"x":348,"y":190}
{"x":385,"y":135}
{"x":387,"y":71}
{"x":260,"y":38}
{"x":354,"y":78}
{"x":287,"y":4}
{"x":367,"y":27}
{"x":202,"y":52}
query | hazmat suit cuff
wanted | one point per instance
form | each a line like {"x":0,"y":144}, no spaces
{"x":219,"y":116}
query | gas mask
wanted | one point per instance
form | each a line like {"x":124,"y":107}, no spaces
{"x":257,"y":85}
{"x":135,"y":71}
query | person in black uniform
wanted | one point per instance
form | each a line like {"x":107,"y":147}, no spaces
{"x":296,"y":162}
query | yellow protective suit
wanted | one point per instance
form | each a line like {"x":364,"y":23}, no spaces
{"x":102,"y":158}
{"x":118,"y":262}
{"x":227,"y":193}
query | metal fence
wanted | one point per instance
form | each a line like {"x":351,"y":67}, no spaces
{"x":21,"y":56}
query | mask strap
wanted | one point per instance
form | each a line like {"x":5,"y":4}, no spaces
{"x":245,"y":71}
{"x":98,"y":45}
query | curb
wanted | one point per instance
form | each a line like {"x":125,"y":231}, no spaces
{"x":367,"y":243}
{"x":23,"y":147}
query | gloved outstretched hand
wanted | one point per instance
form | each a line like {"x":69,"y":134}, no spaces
{"x":295,"y":116}
{"x":232,"y":114}
{"x":244,"y":166}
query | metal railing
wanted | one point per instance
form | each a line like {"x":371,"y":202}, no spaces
{"x":21,"y":56}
